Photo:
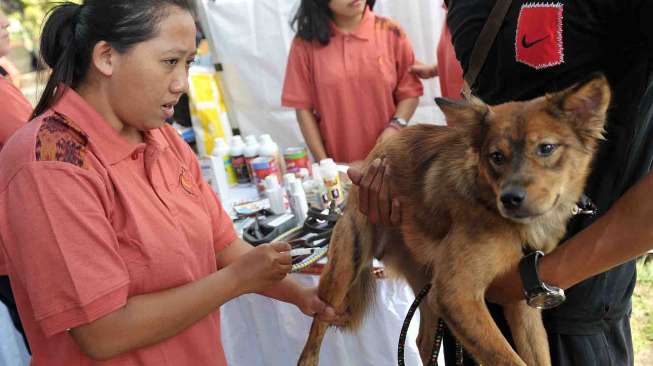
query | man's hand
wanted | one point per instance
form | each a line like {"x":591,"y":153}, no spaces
{"x":374,"y":196}
{"x":423,"y":71}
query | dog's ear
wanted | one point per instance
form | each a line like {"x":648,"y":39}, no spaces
{"x":462,"y":112}
{"x":586,"y":103}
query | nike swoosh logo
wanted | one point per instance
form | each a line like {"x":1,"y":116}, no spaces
{"x":527,"y":44}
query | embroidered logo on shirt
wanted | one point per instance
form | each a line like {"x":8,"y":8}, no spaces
{"x":186,"y":181}
{"x":387,"y":24}
{"x":538,"y":42}
{"x":59,"y":139}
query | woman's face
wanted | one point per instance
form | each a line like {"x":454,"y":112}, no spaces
{"x":347,"y":8}
{"x":148,"y":80}
{"x":4,"y":34}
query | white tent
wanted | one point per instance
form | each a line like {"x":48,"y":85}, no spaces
{"x":251,"y":38}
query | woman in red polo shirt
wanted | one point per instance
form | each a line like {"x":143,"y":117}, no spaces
{"x":118,"y":251}
{"x":14,"y":113}
{"x":347,"y":77}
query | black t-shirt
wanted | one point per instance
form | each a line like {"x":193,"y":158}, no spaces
{"x":546,"y":46}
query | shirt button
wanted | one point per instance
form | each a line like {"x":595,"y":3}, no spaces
{"x":135,"y":155}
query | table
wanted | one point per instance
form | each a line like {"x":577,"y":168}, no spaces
{"x":257,"y":331}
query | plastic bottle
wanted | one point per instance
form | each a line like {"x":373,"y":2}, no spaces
{"x":316,"y":195}
{"x":303,"y":174}
{"x":331,"y":178}
{"x":274,"y":193}
{"x":269,"y":148}
{"x":251,"y":152}
{"x":288,"y":178}
{"x":236,"y":151}
{"x":298,"y":202}
{"x":221,"y":150}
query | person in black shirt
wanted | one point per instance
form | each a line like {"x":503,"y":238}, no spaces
{"x":543,"y":47}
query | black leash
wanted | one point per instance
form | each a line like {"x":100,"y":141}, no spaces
{"x":437,"y":339}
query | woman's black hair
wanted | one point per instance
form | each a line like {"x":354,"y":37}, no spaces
{"x":311,"y":22}
{"x":72,"y":31}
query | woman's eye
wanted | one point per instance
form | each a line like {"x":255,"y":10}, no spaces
{"x":497,"y":157}
{"x":172,"y":61}
{"x":546,"y":149}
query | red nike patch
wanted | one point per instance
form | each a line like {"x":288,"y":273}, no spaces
{"x":538,"y":42}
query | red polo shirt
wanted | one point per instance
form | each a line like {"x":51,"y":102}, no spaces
{"x":353,"y":84}
{"x":15,"y":111}
{"x":89,"y":220}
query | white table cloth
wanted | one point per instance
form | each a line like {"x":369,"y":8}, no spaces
{"x":257,"y":331}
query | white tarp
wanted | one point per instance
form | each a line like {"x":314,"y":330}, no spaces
{"x":251,"y":38}
{"x":258,"y":331}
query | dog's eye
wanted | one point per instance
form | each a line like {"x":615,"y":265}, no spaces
{"x":497,"y":157}
{"x":546,"y":149}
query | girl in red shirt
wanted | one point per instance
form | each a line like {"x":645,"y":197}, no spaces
{"x":347,"y":77}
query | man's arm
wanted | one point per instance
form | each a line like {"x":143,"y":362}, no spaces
{"x":623,"y":233}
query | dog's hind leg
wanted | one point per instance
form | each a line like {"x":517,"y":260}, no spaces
{"x":397,"y":258}
{"x":528,"y":333}
{"x":347,"y":282}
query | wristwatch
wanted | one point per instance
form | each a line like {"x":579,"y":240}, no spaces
{"x":398,"y":122}
{"x":538,"y":294}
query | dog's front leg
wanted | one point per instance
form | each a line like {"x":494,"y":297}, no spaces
{"x":471,"y":322}
{"x":528,"y":333}
{"x":461,"y":276}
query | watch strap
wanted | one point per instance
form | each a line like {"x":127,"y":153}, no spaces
{"x":529,"y":273}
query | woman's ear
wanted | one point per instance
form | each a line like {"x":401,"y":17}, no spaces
{"x":103,"y":58}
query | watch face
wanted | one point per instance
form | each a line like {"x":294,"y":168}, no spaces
{"x":546,"y":300}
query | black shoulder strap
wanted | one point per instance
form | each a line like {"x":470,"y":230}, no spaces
{"x":483,"y":44}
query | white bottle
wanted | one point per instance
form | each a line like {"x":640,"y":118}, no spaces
{"x":221,"y":150}
{"x":314,"y":188}
{"x":236,"y":152}
{"x":269,"y":148}
{"x":250,"y":153}
{"x":303,"y":174}
{"x":331,"y":178}
{"x":288,"y":179}
{"x":298,"y":202}
{"x":274,"y":193}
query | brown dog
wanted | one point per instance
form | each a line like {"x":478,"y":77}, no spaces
{"x":472,"y":196}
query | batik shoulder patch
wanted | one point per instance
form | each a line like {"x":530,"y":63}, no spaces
{"x":539,"y":38}
{"x":388,"y":25}
{"x":59,"y":139}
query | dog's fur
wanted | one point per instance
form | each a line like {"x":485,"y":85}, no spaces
{"x":460,"y":225}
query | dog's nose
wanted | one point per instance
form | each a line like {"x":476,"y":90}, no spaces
{"x":513,"y":197}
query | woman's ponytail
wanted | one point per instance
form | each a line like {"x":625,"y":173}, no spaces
{"x":59,"y":50}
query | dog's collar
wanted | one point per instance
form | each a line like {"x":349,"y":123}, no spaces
{"x":584,"y":206}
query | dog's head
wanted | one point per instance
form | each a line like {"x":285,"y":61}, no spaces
{"x":536,"y":154}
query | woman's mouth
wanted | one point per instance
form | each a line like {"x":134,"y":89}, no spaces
{"x":168,"y":110}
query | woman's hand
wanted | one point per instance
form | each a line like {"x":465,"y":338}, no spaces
{"x":374,"y":196}
{"x":262,"y":267}
{"x":423,"y":71}
{"x":310,"y":304}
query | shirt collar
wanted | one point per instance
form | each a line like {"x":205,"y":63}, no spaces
{"x":113,"y":147}
{"x":364,"y":30}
